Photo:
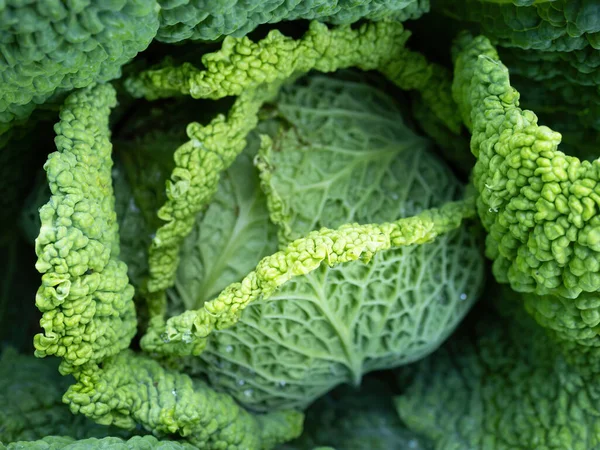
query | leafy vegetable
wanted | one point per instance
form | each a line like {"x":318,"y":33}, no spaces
{"x":31,"y":395}
{"x":85,"y":295}
{"x":559,"y":25}
{"x":537,"y":203}
{"x":132,"y":389}
{"x":321,"y":323}
{"x":196,"y":19}
{"x":66,"y":443}
{"x":504,"y":387}
{"x":56,"y":46}
{"x":359,"y":419}
{"x":288,"y":202}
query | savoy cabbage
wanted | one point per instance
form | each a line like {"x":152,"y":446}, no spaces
{"x":280,"y":224}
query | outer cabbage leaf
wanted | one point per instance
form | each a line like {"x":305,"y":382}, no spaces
{"x":211,"y":20}
{"x":565,"y":82}
{"x":579,"y":67}
{"x":506,"y":386}
{"x":133,"y":389}
{"x":346,"y":158}
{"x":54,"y":46}
{"x":357,"y":419}
{"x":561,"y":25}
{"x":85,"y":297}
{"x":31,"y":393}
{"x":551,"y":99}
{"x":538,"y":204}
{"x":108,"y":443}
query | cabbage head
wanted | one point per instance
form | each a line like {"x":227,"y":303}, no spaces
{"x":328,"y":153}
